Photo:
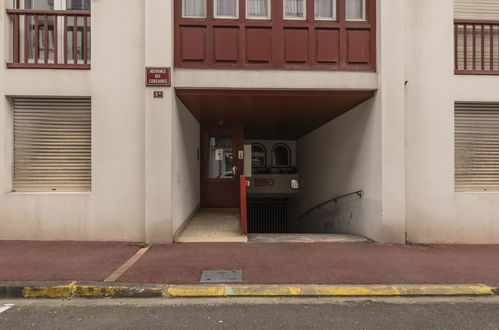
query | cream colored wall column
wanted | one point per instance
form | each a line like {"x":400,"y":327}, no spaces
{"x":391,"y":34}
{"x":158,"y":124}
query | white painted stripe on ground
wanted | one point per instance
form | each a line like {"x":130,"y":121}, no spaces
{"x":5,"y":307}
{"x":123,"y":268}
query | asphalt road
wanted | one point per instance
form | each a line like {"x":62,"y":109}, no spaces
{"x":252,"y":313}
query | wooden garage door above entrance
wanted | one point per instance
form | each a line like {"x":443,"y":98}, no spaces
{"x":271,"y":114}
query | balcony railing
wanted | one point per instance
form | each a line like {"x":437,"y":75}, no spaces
{"x":476,"y":47}
{"x":50,"y":39}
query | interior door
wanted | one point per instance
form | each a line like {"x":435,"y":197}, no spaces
{"x":221,"y":145}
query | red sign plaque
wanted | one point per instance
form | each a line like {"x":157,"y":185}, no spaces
{"x":159,"y":76}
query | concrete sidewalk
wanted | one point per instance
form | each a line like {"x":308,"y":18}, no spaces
{"x":267,"y":269}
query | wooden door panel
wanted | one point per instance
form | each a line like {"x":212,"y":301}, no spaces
{"x":219,"y":193}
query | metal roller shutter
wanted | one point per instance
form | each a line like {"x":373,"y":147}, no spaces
{"x":476,"y":146}
{"x":476,"y":9}
{"x":52,"y":144}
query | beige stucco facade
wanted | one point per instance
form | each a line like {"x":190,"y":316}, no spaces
{"x":435,"y":212}
{"x":397,"y":146}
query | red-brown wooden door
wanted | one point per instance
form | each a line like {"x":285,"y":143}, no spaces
{"x":221,"y":144}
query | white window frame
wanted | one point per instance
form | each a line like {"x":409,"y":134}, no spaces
{"x":205,"y":10}
{"x":294,"y":18}
{"x":364,"y":13}
{"x":269,"y":10}
{"x":223,"y":16}
{"x":335,"y":13}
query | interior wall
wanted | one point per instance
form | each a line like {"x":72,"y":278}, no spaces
{"x":186,"y":165}
{"x":338,"y":158}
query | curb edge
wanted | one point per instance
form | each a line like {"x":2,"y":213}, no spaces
{"x":124,"y":290}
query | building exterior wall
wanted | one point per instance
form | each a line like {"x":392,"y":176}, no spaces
{"x":275,"y":79}
{"x":159,"y":114}
{"x":114,"y":209}
{"x":137,"y":141}
{"x":145,"y":172}
{"x":435,"y":212}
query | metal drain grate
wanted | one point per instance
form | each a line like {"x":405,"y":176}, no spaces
{"x":222,"y":275}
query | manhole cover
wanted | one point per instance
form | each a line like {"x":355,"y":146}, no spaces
{"x":222,"y":275}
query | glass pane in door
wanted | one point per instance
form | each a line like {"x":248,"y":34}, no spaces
{"x":194,"y":8}
{"x":221,"y":158}
{"x":355,"y":10}
{"x":257,"y":8}
{"x":294,"y":9}
{"x":226,"y":8}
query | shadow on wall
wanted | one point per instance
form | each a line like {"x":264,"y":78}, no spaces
{"x":350,"y":216}
{"x":338,"y":158}
{"x":186,"y":181}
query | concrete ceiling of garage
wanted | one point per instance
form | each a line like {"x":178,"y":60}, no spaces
{"x":271,"y":114}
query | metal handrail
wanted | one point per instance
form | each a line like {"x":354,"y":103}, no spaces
{"x":335,"y":200}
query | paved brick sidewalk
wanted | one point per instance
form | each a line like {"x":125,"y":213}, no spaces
{"x":287,"y":263}
{"x":52,"y":261}
{"x":320,"y":263}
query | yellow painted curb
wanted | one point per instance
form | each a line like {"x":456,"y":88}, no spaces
{"x":238,"y":290}
{"x":57,"y":291}
{"x":326,"y":290}
{"x":90,"y":291}
{"x":195,"y":291}
{"x":442,"y":290}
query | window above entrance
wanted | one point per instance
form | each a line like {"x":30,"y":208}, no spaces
{"x":276,"y":34}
